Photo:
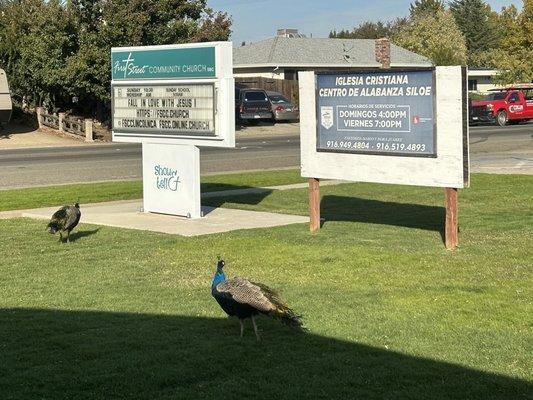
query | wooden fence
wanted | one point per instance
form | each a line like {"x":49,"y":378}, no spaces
{"x":73,"y":125}
{"x":284,"y":86}
{"x":50,"y":120}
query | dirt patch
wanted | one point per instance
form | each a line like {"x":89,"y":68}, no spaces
{"x":16,"y":135}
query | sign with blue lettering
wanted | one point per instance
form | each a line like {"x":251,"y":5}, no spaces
{"x":379,"y":112}
{"x":171,"y":179}
{"x":196,"y":62}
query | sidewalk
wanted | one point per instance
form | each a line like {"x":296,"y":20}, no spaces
{"x":267,"y":130}
{"x":127,"y":214}
{"x":16,"y":136}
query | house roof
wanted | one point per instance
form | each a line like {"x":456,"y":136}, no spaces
{"x":320,"y":52}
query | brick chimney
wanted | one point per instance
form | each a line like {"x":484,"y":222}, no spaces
{"x":382,"y":52}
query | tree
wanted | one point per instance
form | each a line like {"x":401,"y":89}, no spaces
{"x":435,"y":36}
{"x":473,"y":17}
{"x":425,"y":7}
{"x":513,"y":56}
{"x":107,"y":24}
{"x":370,"y":30}
{"x":54,"y":49}
{"x":213,"y":26}
{"x":342,"y":34}
{"x":35,"y":38}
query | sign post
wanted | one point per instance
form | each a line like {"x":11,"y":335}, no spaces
{"x":451,"y":228}
{"x":404,"y":127}
{"x":173,"y":99}
{"x":314,"y":204}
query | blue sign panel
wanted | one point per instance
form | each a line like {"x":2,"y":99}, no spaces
{"x":389,"y":113}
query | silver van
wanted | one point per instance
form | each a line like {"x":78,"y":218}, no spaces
{"x":5,"y":99}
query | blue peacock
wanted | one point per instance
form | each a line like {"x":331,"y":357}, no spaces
{"x":244,"y":299}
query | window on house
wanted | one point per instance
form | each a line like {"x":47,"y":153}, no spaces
{"x":472,"y":84}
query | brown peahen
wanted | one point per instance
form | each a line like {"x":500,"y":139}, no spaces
{"x":64,"y":221}
{"x":244,"y":299}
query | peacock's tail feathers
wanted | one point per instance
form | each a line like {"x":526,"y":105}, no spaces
{"x":281,"y":311}
{"x":53,"y":226}
{"x":59,"y":219}
{"x":289,"y":318}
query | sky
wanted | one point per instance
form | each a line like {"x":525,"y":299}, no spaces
{"x":255,"y":20}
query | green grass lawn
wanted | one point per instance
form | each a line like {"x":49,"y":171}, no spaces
{"x":124,"y":314}
{"x":19,"y":199}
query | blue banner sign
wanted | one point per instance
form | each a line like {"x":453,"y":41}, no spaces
{"x":198,"y":62}
{"x":389,"y":113}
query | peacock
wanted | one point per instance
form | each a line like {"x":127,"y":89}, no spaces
{"x":244,"y":299}
{"x":65,"y":220}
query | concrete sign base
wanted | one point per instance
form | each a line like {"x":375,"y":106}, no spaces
{"x":171,"y":179}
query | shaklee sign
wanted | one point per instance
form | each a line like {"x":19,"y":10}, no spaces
{"x":173,"y":99}
{"x":387,"y":126}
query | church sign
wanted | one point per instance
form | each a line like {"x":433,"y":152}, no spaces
{"x":175,"y":94}
{"x":163,"y":63}
{"x":377,"y":112}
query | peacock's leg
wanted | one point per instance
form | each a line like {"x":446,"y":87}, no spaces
{"x":242,"y":326}
{"x":68,"y":236}
{"x":60,"y":237}
{"x":255,"y":329}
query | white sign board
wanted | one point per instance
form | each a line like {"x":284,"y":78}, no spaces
{"x":171,"y":179}
{"x":448,"y":166}
{"x":179,"y":109}
{"x":172,"y":99}
{"x":175,"y":94}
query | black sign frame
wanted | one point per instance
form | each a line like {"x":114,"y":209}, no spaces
{"x":171,"y":134}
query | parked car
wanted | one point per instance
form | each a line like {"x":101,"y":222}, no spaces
{"x":252,"y":105}
{"x":282,"y":108}
{"x":502,"y":106}
{"x":5,"y":99}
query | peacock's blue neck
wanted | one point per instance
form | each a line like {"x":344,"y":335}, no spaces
{"x":219,"y":277}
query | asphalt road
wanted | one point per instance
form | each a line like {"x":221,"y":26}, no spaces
{"x":493,"y":149}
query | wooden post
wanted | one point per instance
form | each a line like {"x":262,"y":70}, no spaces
{"x":61,"y":119}
{"x":451,"y":228}
{"x":314,"y":204}
{"x":40,"y":112}
{"x":88,"y":130}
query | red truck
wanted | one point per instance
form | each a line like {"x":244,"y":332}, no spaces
{"x":502,"y":106}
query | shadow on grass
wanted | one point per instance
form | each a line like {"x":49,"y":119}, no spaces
{"x":81,"y":234}
{"x":56,"y":354}
{"x":232,"y":193}
{"x":341,"y":208}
